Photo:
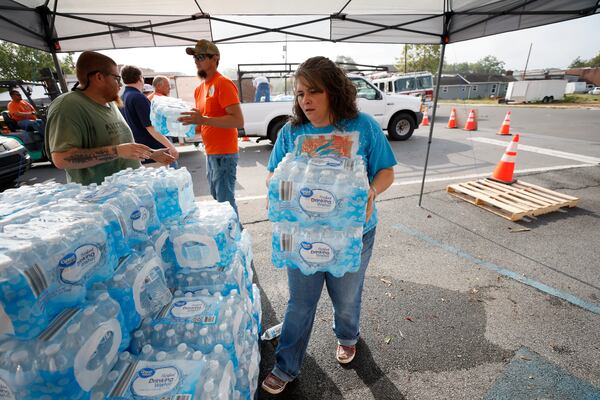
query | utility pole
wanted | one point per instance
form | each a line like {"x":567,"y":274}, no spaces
{"x":527,"y":62}
{"x":405,"y":56}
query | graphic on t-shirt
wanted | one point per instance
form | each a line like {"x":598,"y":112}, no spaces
{"x":331,"y":144}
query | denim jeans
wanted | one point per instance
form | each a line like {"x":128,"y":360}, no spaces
{"x":263,"y":89}
{"x":221,"y":170}
{"x":30,"y":124}
{"x":305,"y":292}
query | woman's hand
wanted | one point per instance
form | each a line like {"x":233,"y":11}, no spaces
{"x":370,"y":202}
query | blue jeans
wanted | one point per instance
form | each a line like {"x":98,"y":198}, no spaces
{"x":305,"y":292}
{"x":263,"y":89}
{"x":30,"y":124}
{"x":221,"y":170}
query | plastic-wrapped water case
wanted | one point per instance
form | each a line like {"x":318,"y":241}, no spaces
{"x":319,"y":191}
{"x":49,"y":264}
{"x":77,"y":349}
{"x":316,"y":249}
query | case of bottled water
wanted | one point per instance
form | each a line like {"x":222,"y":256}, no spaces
{"x":173,"y":191}
{"x":317,"y":249}
{"x":48,"y":264}
{"x":181,"y":374}
{"x":139,"y":286}
{"x":200,"y":320}
{"x":77,"y":349}
{"x":134,"y":207}
{"x":164,"y":113}
{"x":319,"y":191}
{"x":206,"y":239}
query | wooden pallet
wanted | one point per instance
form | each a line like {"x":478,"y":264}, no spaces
{"x":514,"y":201}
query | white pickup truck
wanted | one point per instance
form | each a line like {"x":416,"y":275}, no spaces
{"x":399,"y":115}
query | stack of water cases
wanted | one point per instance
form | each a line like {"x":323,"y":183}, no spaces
{"x":317,"y":203}
{"x":125,"y":290}
{"x":164,"y":113}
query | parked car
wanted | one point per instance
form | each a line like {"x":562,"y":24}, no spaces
{"x":595,"y":90}
{"x":14,"y":161}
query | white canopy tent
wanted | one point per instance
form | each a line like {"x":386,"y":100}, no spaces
{"x":77,"y":25}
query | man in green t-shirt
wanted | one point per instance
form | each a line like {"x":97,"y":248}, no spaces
{"x":86,"y":134}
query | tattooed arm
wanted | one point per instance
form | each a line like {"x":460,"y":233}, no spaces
{"x":77,"y":158}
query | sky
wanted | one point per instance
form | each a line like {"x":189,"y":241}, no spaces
{"x":553,"y":46}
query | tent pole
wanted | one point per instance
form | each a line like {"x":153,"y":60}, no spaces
{"x":435,"y":100}
{"x":61,"y":77}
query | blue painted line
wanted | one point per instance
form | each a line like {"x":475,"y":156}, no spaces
{"x":500,"y":270}
{"x":529,"y":376}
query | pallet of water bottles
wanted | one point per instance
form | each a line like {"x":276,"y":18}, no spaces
{"x":317,"y":202}
{"x":125,"y":290}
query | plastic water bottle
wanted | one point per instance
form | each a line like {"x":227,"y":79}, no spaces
{"x":164,"y":114}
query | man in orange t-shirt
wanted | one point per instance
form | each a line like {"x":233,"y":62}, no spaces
{"x":217,"y":115}
{"x":22,"y":112}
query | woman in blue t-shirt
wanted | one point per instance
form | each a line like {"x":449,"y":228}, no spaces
{"x":325,"y":102}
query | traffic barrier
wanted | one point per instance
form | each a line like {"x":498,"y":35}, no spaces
{"x":471,"y":124}
{"x":505,"y":128}
{"x":506,"y":167}
{"x":452,"y":120}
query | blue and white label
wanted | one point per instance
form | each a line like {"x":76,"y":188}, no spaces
{"x":330,"y":162}
{"x":139,"y":219}
{"x":316,"y":253}
{"x":317,"y":200}
{"x":74,"y":266}
{"x":152,"y":383}
{"x":188,"y":309}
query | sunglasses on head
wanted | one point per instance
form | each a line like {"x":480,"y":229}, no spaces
{"x":201,"y":57}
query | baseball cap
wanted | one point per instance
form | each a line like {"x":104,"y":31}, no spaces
{"x":203,"y":46}
{"x":148,"y":88}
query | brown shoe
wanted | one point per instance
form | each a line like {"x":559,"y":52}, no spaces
{"x":345,"y":354}
{"x":273,"y":384}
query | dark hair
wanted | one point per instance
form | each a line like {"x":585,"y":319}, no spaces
{"x":131,"y":74}
{"x":14,"y":91}
{"x":322,"y":73}
{"x":89,"y":62}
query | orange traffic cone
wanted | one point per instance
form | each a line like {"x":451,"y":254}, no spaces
{"x":506,"y":167}
{"x":452,"y":120}
{"x":505,"y":128}
{"x":425,"y":119}
{"x":471,"y":125}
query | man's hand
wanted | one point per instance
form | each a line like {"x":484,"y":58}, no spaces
{"x":173,"y":152}
{"x":162,"y":156}
{"x":134,"y":151}
{"x":192,"y":118}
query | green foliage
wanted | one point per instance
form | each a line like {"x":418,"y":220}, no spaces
{"x":593,"y":62}
{"x":487,"y":65}
{"x":20,"y":62}
{"x":419,"y":57}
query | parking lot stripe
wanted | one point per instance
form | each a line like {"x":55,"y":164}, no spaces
{"x":541,"y":150}
{"x":500,"y":270}
{"x":488,"y":174}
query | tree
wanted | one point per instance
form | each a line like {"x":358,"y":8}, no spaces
{"x":20,"y":62}
{"x":577,"y":63}
{"x":593,"y":62}
{"x":487,"y":65}
{"x":419,"y":57}
{"x":344,"y":59}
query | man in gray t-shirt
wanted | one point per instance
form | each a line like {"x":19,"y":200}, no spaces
{"x":86,"y":134}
